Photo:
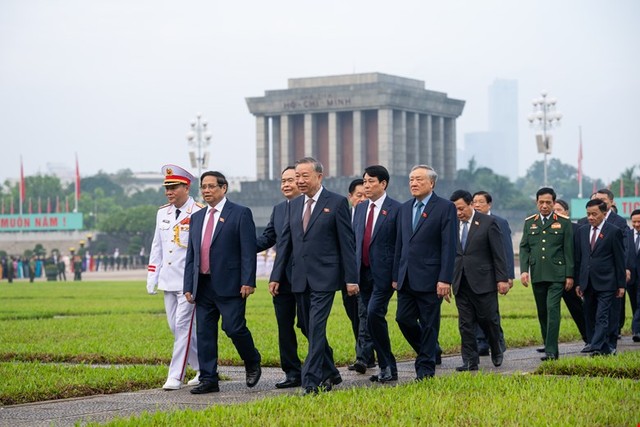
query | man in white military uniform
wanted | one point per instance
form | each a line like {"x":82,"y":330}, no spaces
{"x":166,"y":271}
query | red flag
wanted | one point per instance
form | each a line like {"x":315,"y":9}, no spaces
{"x":66,"y":204}
{"x":11,"y":207}
{"x":48,"y":205}
{"x":22,"y":189}
{"x":621,"y":187}
{"x":39,"y":205}
{"x":57,"y":204}
{"x":77,"y":182}
{"x":30,"y":207}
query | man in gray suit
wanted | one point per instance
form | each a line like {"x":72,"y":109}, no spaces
{"x":480,"y":272}
{"x":318,"y":237}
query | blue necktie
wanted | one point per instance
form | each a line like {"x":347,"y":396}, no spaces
{"x":416,"y":217}
{"x":465,"y":233}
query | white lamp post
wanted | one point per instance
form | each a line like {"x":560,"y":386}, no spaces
{"x":544,"y":117}
{"x":199,"y":137}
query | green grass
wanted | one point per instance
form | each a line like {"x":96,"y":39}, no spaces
{"x":31,"y":382}
{"x":482,"y":399}
{"x":623,"y":365}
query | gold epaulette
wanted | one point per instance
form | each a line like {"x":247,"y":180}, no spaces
{"x":164,"y":206}
{"x":562,"y":216}
{"x":532,"y":216}
{"x":200,"y":205}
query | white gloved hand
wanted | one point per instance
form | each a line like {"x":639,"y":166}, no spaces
{"x":151,"y":288}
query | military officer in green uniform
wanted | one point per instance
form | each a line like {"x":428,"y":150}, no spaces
{"x":546,"y":251}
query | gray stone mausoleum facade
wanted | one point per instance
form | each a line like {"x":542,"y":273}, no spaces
{"x":351,"y":121}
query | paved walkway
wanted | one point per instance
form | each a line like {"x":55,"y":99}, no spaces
{"x":102,"y":408}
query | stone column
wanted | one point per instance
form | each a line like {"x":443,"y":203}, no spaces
{"x":399,"y":146}
{"x":413,"y":140}
{"x":263,"y":165}
{"x":438,"y":144}
{"x":358,"y":142}
{"x":334,"y":144}
{"x":385,"y":139}
{"x":286,"y":141}
{"x":309,"y":135}
{"x":276,"y":159}
{"x":425,"y":149}
{"x":449,"y":149}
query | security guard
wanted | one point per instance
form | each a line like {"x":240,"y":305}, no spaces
{"x":547,"y":250}
{"x":166,"y":270}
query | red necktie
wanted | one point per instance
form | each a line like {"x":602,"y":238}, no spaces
{"x":206,"y":244}
{"x":593,"y":238}
{"x":366,"y":241}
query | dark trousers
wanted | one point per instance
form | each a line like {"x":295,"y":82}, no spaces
{"x":314,"y":309}
{"x":285,"y":307}
{"x":364,"y":343}
{"x":632,"y":291}
{"x":574,"y":304}
{"x":379,"y":329}
{"x":350,"y":304}
{"x":547,"y":296}
{"x":635,"y":325}
{"x":418,"y":317}
{"x":601,"y":318}
{"x":209,"y":308}
{"x":473,"y":310}
{"x":481,"y":336}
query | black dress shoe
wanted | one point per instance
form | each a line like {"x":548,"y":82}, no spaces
{"x":549,"y":356}
{"x":310,"y":391}
{"x":483,"y":351}
{"x":636,"y":337}
{"x":540,"y":349}
{"x":206,"y":387}
{"x":384,"y":376}
{"x":253,"y":375}
{"x":360,"y":367}
{"x":334,"y":379}
{"x":497,"y":359}
{"x":467,"y":367}
{"x":586,"y":349}
{"x":439,"y":358}
{"x":288,"y":383}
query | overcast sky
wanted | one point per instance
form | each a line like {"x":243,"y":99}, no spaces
{"x":118,"y":81}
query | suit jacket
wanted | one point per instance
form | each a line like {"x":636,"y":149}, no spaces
{"x":427,"y":255}
{"x":324,"y":256}
{"x":272,"y":233}
{"x":633,"y":258}
{"x":547,"y":249}
{"x":232,"y":257}
{"x":604,"y":267}
{"x":482,"y":261}
{"x":613,"y":218}
{"x":508,"y":245}
{"x":383,"y":240}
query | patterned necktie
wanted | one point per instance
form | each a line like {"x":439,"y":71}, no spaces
{"x":368,"y":230}
{"x":206,"y":244}
{"x":637,"y":242}
{"x":416,"y":217}
{"x":307,"y":215}
{"x":594,"y":234}
{"x":178,"y":212}
{"x":465,"y":233}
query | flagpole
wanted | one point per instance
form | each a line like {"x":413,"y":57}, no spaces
{"x":77,"y":192}
{"x":580,"y":164}
{"x":21,"y":185}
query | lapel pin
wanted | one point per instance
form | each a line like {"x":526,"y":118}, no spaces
{"x":221,"y":219}
{"x":326,"y":210}
{"x":424,"y":214}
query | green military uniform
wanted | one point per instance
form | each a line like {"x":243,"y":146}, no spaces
{"x":547,"y":250}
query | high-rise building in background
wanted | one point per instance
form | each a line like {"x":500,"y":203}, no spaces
{"x":497,"y":148}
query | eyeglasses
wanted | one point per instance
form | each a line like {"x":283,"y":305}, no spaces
{"x":208,"y":186}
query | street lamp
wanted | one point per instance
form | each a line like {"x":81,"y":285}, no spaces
{"x":544,"y":117}
{"x":199,"y":137}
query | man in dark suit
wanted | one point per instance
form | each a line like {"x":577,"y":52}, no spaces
{"x":633,"y":267}
{"x":374,"y":225}
{"x":601,"y":278}
{"x":480,"y":273}
{"x":219,"y":276}
{"x":317,"y":235}
{"x":350,"y":302}
{"x":284,"y":302}
{"x":423,"y":265}
{"x":547,"y":249}
{"x":570,"y":297}
{"x":482,"y":202}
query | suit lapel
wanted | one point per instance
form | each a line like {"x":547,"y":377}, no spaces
{"x":228,"y":208}
{"x":318,"y":209}
{"x":473,"y":227}
{"x":382,"y":217}
{"x":425,"y":212}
